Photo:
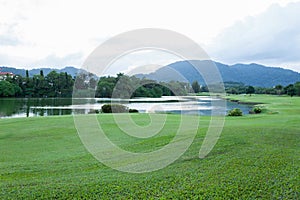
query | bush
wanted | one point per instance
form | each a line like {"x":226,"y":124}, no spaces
{"x":257,"y":110}
{"x":114,"y":108}
{"x":133,"y":111}
{"x":235,"y":112}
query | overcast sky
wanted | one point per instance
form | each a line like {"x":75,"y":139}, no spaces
{"x":58,"y":33}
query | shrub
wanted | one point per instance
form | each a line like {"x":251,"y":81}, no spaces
{"x":235,"y":112}
{"x":114,"y":108}
{"x":133,"y":111}
{"x":257,"y":110}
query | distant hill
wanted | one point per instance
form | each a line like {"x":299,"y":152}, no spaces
{"x":249,"y":74}
{"x":70,"y":70}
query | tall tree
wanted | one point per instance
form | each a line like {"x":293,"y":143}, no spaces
{"x":279,"y":89}
{"x":290,"y":90}
{"x":297,"y":88}
{"x":196,"y":87}
{"x":250,"y":90}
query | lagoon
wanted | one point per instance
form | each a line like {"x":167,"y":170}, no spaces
{"x":33,"y":107}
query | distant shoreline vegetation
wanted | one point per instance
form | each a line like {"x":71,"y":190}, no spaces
{"x":61,"y":84}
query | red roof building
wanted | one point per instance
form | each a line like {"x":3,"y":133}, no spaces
{"x":6,"y":74}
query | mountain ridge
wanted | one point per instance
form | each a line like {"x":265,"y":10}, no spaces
{"x":248,"y":74}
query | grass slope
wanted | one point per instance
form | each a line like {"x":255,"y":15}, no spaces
{"x":257,"y":157}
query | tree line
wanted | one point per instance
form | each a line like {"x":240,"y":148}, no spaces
{"x":240,"y":88}
{"x":61,"y":85}
{"x":53,"y":85}
{"x":121,"y":86}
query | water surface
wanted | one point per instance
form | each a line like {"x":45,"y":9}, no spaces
{"x":30,"y":107}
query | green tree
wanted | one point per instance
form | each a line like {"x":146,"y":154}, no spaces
{"x":41,"y":87}
{"x":60,"y":84}
{"x":204,"y":88}
{"x":177,"y":88}
{"x":290,"y":90}
{"x":250,"y":90}
{"x":166,"y":91}
{"x":141,"y":92}
{"x":65,"y":84}
{"x":297,"y":88}
{"x":279,"y":89}
{"x":196,"y":87}
{"x":124,"y":87}
{"x":232,"y":90}
{"x":53,"y":81}
{"x":105,"y":87}
{"x":7,"y":89}
{"x":19,"y":85}
{"x":81,"y":82}
{"x":28,"y":86}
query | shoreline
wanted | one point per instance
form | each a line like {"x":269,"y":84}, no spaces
{"x":242,"y":102}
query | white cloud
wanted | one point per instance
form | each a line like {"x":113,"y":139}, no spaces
{"x":51,"y":60}
{"x":36,"y":31}
{"x":142,"y":61}
{"x":59,"y":62}
{"x":8,"y":36}
{"x":8,"y":40}
{"x":272,"y":38}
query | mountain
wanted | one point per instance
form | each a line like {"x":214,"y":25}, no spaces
{"x":249,"y":74}
{"x":70,"y":70}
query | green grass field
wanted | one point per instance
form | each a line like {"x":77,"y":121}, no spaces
{"x":256,"y":157}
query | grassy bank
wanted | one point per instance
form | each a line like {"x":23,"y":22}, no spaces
{"x":284,"y":105}
{"x":257,"y":157}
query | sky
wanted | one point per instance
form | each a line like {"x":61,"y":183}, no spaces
{"x":56,"y":33}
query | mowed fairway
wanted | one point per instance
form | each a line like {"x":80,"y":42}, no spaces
{"x":256,"y":157}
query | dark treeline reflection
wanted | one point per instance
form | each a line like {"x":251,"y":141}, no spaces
{"x":33,"y":107}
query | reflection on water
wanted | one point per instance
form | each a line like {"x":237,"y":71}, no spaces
{"x":18,"y":107}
